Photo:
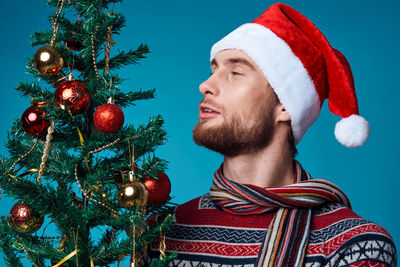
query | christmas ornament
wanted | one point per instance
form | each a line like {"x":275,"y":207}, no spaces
{"x":24,"y":219}
{"x":132,"y":193}
{"x":33,"y":122}
{"x":117,"y":176}
{"x":47,"y":60}
{"x":158,"y":189}
{"x":46,"y":151}
{"x":73,"y":94}
{"x":74,"y":44}
{"x":108,"y":118}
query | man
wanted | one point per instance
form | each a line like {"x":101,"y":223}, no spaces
{"x":269,"y":79}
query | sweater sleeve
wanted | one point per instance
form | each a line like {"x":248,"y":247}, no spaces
{"x":365,"y":245}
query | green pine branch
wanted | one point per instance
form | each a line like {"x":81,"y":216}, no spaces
{"x":34,"y":90}
{"x":126,"y":58}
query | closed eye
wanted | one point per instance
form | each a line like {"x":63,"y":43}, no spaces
{"x":236,"y":73}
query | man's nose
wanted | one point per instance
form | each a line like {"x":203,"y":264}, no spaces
{"x":209,"y":86}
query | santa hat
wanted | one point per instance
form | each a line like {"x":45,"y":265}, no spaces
{"x":303,"y":69}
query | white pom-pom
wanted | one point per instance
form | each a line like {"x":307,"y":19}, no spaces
{"x":352,"y":131}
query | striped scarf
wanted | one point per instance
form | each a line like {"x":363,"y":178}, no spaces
{"x":287,"y":238}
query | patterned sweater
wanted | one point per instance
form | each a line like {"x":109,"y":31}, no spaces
{"x":205,"y":235}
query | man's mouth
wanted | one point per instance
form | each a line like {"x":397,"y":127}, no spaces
{"x":207,"y":112}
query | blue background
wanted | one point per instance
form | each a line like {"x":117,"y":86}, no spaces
{"x":180,"y":34}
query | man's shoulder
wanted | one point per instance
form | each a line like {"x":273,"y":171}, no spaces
{"x":336,"y":216}
{"x":198,"y":203}
{"x":196,"y":210}
{"x":345,"y":236}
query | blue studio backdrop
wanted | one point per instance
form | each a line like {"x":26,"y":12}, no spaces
{"x":180,"y":34}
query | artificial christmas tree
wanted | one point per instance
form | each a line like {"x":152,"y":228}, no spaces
{"x":68,"y":145}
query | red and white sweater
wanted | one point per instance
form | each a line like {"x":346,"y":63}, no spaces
{"x":206,"y":235}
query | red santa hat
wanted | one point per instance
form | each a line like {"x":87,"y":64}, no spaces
{"x":303,"y":69}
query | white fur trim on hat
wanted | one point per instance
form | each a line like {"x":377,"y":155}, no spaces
{"x":283,"y":70}
{"x":352,"y":131}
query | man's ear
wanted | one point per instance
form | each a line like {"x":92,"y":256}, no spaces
{"x":281,"y":114}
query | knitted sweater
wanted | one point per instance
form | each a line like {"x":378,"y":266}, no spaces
{"x":204,"y":234}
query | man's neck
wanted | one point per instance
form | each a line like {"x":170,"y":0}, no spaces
{"x":270,"y":167}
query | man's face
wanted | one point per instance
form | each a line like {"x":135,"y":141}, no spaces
{"x":236,"y":114}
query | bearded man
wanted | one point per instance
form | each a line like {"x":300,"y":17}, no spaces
{"x":269,"y":79}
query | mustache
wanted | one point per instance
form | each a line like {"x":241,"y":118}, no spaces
{"x":210,"y":103}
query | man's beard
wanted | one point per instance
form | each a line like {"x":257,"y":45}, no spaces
{"x":237,"y":136}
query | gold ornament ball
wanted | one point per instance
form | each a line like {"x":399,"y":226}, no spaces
{"x":47,"y":60}
{"x":131,"y":194}
{"x":24,"y":219}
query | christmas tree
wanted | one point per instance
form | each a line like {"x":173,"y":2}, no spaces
{"x":72,"y":161}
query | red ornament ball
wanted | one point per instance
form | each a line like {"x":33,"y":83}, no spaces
{"x":159,"y":189}
{"x":73,"y":94}
{"x":108,"y":118}
{"x":75,"y":45}
{"x":33,"y":122}
{"x":24,"y":219}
